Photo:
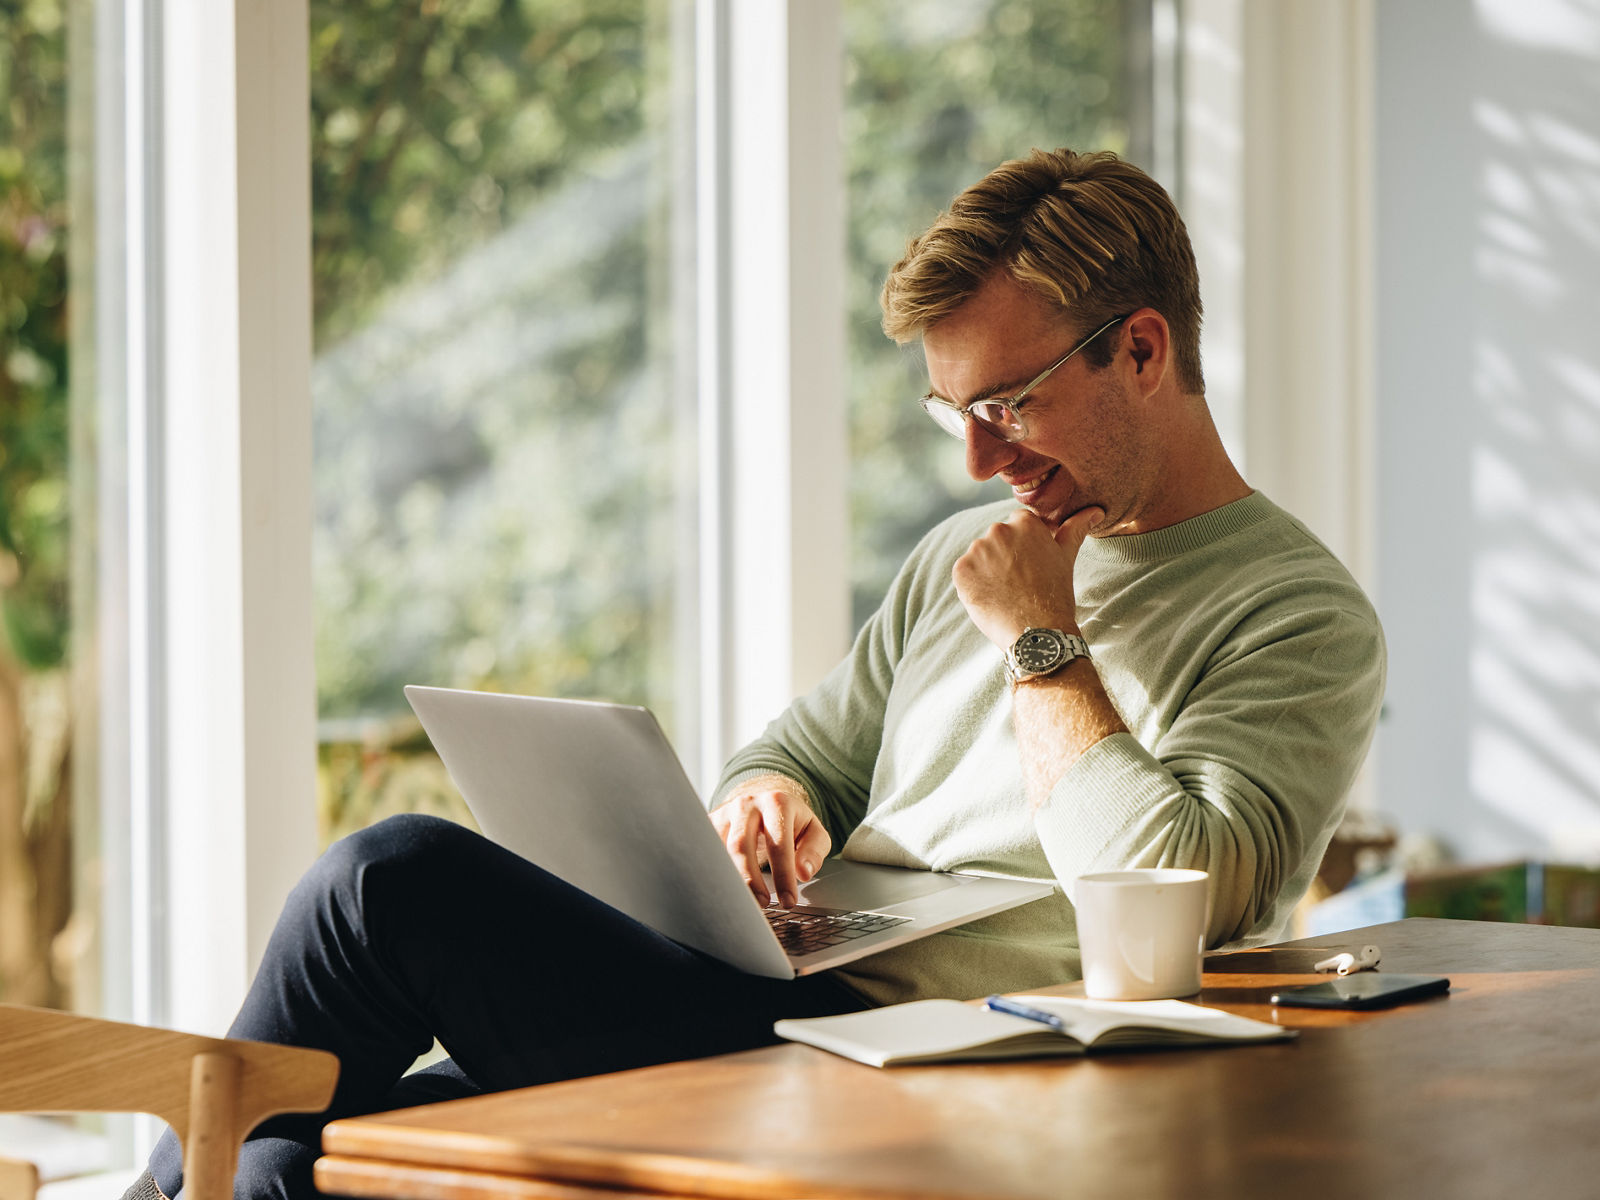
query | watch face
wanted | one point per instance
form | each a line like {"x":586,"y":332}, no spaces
{"x":1038,"y":650}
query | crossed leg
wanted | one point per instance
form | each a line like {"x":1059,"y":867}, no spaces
{"x":417,"y":929}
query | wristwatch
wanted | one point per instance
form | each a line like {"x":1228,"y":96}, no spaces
{"x":1038,"y":652}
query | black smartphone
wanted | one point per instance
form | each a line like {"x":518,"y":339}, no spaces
{"x":1364,"y":989}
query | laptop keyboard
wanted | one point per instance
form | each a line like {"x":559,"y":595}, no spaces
{"x":805,"y":930}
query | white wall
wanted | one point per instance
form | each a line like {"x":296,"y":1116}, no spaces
{"x":1488,"y":420}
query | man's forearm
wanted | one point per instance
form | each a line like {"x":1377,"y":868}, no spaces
{"x":1058,"y":718}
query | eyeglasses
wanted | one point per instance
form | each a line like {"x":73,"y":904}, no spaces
{"x":1000,"y":416}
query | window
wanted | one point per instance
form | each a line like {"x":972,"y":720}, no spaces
{"x":555,"y":299}
{"x":504,"y":435}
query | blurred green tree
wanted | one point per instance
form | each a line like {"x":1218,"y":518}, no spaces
{"x":435,"y":124}
{"x":35,"y":788}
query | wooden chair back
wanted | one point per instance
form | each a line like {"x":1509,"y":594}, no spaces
{"x":212,"y":1091}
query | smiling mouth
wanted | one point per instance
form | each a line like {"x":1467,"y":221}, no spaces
{"x":1026,"y":487}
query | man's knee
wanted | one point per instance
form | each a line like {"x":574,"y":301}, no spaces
{"x":393,"y":857}
{"x":404,"y":840}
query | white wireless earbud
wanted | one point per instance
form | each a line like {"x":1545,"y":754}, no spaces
{"x":1347,"y":963}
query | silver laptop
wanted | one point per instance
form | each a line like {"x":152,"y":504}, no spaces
{"x":594,"y":794}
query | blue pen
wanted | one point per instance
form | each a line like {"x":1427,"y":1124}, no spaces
{"x":1005,"y":1004}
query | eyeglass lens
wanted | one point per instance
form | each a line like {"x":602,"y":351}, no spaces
{"x":999,"y":419}
{"x":995,"y":417}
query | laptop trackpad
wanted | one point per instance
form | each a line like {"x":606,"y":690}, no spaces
{"x":842,"y":884}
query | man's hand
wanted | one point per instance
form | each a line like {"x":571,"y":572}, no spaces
{"x":1018,"y":575}
{"x":767,"y":821}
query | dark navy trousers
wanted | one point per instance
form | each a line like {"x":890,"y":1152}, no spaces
{"x":417,"y":929}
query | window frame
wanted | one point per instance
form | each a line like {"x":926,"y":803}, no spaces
{"x":775,"y":462}
{"x":208,"y":739}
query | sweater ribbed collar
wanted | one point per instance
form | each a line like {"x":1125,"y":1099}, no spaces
{"x":1185,"y":535}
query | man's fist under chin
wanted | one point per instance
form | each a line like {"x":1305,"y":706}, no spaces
{"x":1019,"y":574}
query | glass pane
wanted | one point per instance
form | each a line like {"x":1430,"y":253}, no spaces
{"x":51,"y":879}
{"x":37,"y":722}
{"x":938,"y":92}
{"x":501,"y":439}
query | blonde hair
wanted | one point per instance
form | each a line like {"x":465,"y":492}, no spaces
{"x":1088,"y":232}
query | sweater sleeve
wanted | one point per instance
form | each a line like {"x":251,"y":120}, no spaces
{"x":828,"y":740}
{"x":1249,"y":780}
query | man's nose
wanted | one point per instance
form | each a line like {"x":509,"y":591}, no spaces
{"x":986,"y":453}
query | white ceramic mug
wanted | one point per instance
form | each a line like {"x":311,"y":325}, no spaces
{"x":1142,"y":932}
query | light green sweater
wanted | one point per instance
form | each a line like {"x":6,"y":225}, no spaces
{"x":1247,"y":665}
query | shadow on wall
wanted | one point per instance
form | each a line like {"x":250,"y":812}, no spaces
{"x":1535,"y":468}
{"x":1489,"y":414}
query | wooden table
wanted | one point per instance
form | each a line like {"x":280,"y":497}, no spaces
{"x":1491,"y":1091}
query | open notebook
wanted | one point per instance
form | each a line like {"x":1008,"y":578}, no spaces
{"x":929,"y":1031}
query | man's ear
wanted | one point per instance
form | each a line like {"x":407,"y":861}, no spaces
{"x":1150,"y":345}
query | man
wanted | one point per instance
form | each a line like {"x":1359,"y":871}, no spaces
{"x":1141,"y":662}
{"x":1234,"y":670}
